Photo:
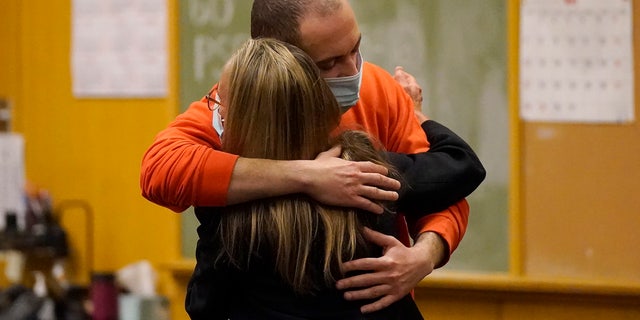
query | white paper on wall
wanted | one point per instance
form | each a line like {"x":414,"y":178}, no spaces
{"x":119,"y":48}
{"x":576,"y":61}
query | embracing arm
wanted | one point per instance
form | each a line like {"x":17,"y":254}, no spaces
{"x":401,"y":268}
{"x":436,"y":211}
{"x":450,"y":170}
{"x":328,"y":179}
{"x":185,"y":167}
{"x":440,"y":177}
{"x":458,"y":171}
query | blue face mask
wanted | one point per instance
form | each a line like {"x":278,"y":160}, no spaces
{"x":347,"y":89}
{"x":217,"y":122}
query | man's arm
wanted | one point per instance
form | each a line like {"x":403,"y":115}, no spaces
{"x":455,"y":170}
{"x":436,"y":234}
{"x":401,"y":268}
{"x":458,"y":163}
{"x":328,"y":179}
{"x":395,"y":274}
{"x":184,"y":167}
{"x":439,"y":178}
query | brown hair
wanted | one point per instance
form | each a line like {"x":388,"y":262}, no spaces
{"x":280,"y":108}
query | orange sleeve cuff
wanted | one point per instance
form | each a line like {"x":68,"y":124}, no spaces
{"x":450,"y":224}
{"x":214,"y":182}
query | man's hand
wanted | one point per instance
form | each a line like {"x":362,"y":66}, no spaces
{"x":413,"y":89}
{"x":410,"y":86}
{"x":339,"y":182}
{"x":328,"y":179}
{"x":393,"y":275}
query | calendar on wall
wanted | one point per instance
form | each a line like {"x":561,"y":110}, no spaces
{"x":576,"y":61}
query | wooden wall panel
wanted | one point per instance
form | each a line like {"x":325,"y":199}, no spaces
{"x":581,"y":185}
{"x":85,"y":149}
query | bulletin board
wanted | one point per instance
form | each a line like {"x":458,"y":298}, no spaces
{"x":209,"y":32}
{"x":457,"y":51}
{"x":580,"y":190}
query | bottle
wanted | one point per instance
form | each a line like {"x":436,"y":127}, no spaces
{"x":12,"y":245}
{"x":104,"y":296}
{"x":47,"y":309}
{"x":11,"y":235}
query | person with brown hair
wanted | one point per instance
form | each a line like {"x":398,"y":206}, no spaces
{"x":280,"y":257}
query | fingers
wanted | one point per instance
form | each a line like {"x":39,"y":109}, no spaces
{"x":368,"y":293}
{"x":363,"y":264}
{"x":410,"y":85}
{"x":356,"y":184}
{"x":375,"y":186}
{"x":361,"y":282}
{"x":369,"y":194}
{"x":382,"y":290}
{"x":376,"y":175}
{"x":379,"y":304}
{"x":380,"y":181}
{"x":371,"y":286}
{"x":368,"y":205}
{"x":379,"y":239}
{"x":379,"y":192}
{"x":370,"y":264}
{"x":370,"y":167}
{"x":399,"y":72}
{"x":333,"y":152}
{"x":402,"y":76}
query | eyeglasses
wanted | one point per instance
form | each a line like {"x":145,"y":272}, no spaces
{"x":212,"y":103}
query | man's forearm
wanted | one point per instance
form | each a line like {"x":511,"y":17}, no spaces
{"x":254,"y":179}
{"x":432,"y":247}
{"x":450,"y":225}
{"x":327,"y":179}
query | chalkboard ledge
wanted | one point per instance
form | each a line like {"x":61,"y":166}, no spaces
{"x":493,"y":284}
{"x":509,"y":285}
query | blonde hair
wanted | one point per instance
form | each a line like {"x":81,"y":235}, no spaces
{"x":280,"y":108}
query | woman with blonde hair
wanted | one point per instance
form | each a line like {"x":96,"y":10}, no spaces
{"x":279,"y":258}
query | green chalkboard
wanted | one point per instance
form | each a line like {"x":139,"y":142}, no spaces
{"x":457,"y":51}
{"x":209,"y":31}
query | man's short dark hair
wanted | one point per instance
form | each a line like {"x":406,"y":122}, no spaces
{"x":280,"y":19}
